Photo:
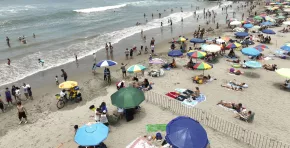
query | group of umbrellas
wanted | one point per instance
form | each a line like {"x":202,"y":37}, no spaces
{"x":132,"y":69}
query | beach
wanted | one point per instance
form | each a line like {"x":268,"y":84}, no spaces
{"x":51,"y":127}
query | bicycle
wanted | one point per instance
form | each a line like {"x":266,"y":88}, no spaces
{"x":61,"y":101}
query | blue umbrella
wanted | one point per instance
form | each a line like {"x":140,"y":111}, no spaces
{"x":268,"y":31}
{"x":250,"y":52}
{"x":91,"y":134}
{"x":286,"y":48}
{"x":247,"y":42}
{"x":184,"y":132}
{"x":197,"y":40}
{"x":105,"y":63}
{"x":253,"y":64}
{"x":248,"y":26}
{"x":241,"y":34}
{"x":175,"y":53}
{"x":266,"y":24}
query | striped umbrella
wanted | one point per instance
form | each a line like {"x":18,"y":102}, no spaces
{"x":262,"y":46}
{"x":136,"y":68}
{"x":181,"y":39}
{"x":202,"y":66}
{"x":226,"y":38}
{"x":198,"y":54}
{"x":106,"y":63}
{"x":234,"y":45}
{"x":259,"y":48}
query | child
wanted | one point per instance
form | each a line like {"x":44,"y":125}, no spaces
{"x":56,"y":80}
{"x":21,"y":112}
{"x":8,"y":96}
{"x":41,"y":61}
{"x":104,"y":119}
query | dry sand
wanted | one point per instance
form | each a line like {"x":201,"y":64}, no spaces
{"x":49,"y":127}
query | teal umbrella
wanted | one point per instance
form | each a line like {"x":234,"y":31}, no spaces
{"x":128,"y":97}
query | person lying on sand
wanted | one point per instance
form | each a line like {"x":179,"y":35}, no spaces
{"x":271,"y":67}
{"x":237,"y":107}
{"x":234,"y":60}
{"x":286,"y":85}
{"x":236,"y":72}
{"x":235,"y":86}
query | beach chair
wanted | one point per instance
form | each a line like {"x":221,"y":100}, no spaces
{"x":250,"y":119}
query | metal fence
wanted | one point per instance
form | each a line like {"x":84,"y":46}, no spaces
{"x":237,"y":132}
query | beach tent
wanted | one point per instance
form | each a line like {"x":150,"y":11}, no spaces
{"x":91,"y":134}
{"x":185,"y":132}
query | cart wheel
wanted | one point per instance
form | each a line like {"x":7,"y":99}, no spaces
{"x":60,"y":104}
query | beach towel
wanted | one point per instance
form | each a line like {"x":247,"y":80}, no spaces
{"x":227,"y":109}
{"x":180,"y":90}
{"x":140,"y":142}
{"x":199,"y":99}
{"x":172,"y":95}
{"x":181,"y":98}
{"x":156,"y":127}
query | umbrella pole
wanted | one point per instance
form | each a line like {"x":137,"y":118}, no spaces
{"x":203,"y":72}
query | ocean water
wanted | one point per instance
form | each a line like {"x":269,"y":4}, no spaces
{"x":65,"y":27}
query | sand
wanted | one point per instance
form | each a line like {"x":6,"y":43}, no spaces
{"x":50,"y":127}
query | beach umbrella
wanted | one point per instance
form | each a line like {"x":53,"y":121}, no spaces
{"x":68,"y":84}
{"x":175,"y":53}
{"x":128,"y":97}
{"x":250,"y":51}
{"x":258,"y":17}
{"x":181,"y":39}
{"x":253,"y":64}
{"x":136,"y":68}
{"x":281,"y":17}
{"x":270,"y":19}
{"x":211,"y":48}
{"x":248,"y":26}
{"x":185,"y":132}
{"x":241,"y":34}
{"x":239,"y":29}
{"x":91,"y":134}
{"x":285,"y":72}
{"x":157,"y":61}
{"x":286,"y":23}
{"x":233,"y":19}
{"x":220,"y":41}
{"x":234,"y":45}
{"x":198,"y":54}
{"x":235,"y":23}
{"x":106,"y":63}
{"x":259,"y":49}
{"x":268,"y":31}
{"x":197,"y":40}
{"x":266,"y":24}
{"x":286,"y":48}
{"x":262,"y":46}
{"x":247,"y":42}
{"x":226,"y":38}
{"x":202,"y":66}
{"x":286,"y":10}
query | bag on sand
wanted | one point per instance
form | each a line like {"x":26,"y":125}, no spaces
{"x":158,"y":136}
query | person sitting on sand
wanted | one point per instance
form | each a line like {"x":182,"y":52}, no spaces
{"x":248,"y":117}
{"x":232,"y":53}
{"x":236,"y":72}
{"x":146,"y":85}
{"x":103,"y":107}
{"x":190,"y":64}
{"x":196,"y":93}
{"x":173,"y":63}
{"x":286,"y":85}
{"x":237,"y":107}
{"x":271,"y":67}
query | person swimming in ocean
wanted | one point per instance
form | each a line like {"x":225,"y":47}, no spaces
{"x":41,"y":61}
{"x":8,"y":62}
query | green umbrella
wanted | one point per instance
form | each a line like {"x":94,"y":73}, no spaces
{"x":258,"y":17}
{"x":127,"y":97}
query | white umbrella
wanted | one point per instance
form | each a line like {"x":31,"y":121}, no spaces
{"x":287,"y":10}
{"x":219,"y":41}
{"x":286,"y":23}
{"x":233,"y":23}
{"x":239,"y":29}
{"x":211,"y":48}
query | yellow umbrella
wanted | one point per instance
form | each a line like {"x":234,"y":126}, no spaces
{"x":285,"y":72}
{"x":181,"y":39}
{"x":68,"y":84}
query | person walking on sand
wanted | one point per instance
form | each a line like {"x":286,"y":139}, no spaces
{"x":131,"y":53}
{"x":26,"y":91}
{"x":13,"y":89}
{"x":56,"y":80}
{"x":8,"y":62}
{"x":106,"y":47}
{"x":64,"y":75}
{"x":127,"y":53}
{"x":2,"y":105}
{"x":17,"y":93}
{"x":111,"y":47}
{"x":41,"y":61}
{"x":95,"y":57}
{"x":8,"y":41}
{"x":8,"y":96}
{"x":21,"y":112}
{"x":123,"y":67}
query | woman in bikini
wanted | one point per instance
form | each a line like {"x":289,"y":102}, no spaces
{"x":238,"y":107}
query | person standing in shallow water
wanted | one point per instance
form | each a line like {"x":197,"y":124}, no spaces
{"x":8,"y":62}
{"x":8,"y":41}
